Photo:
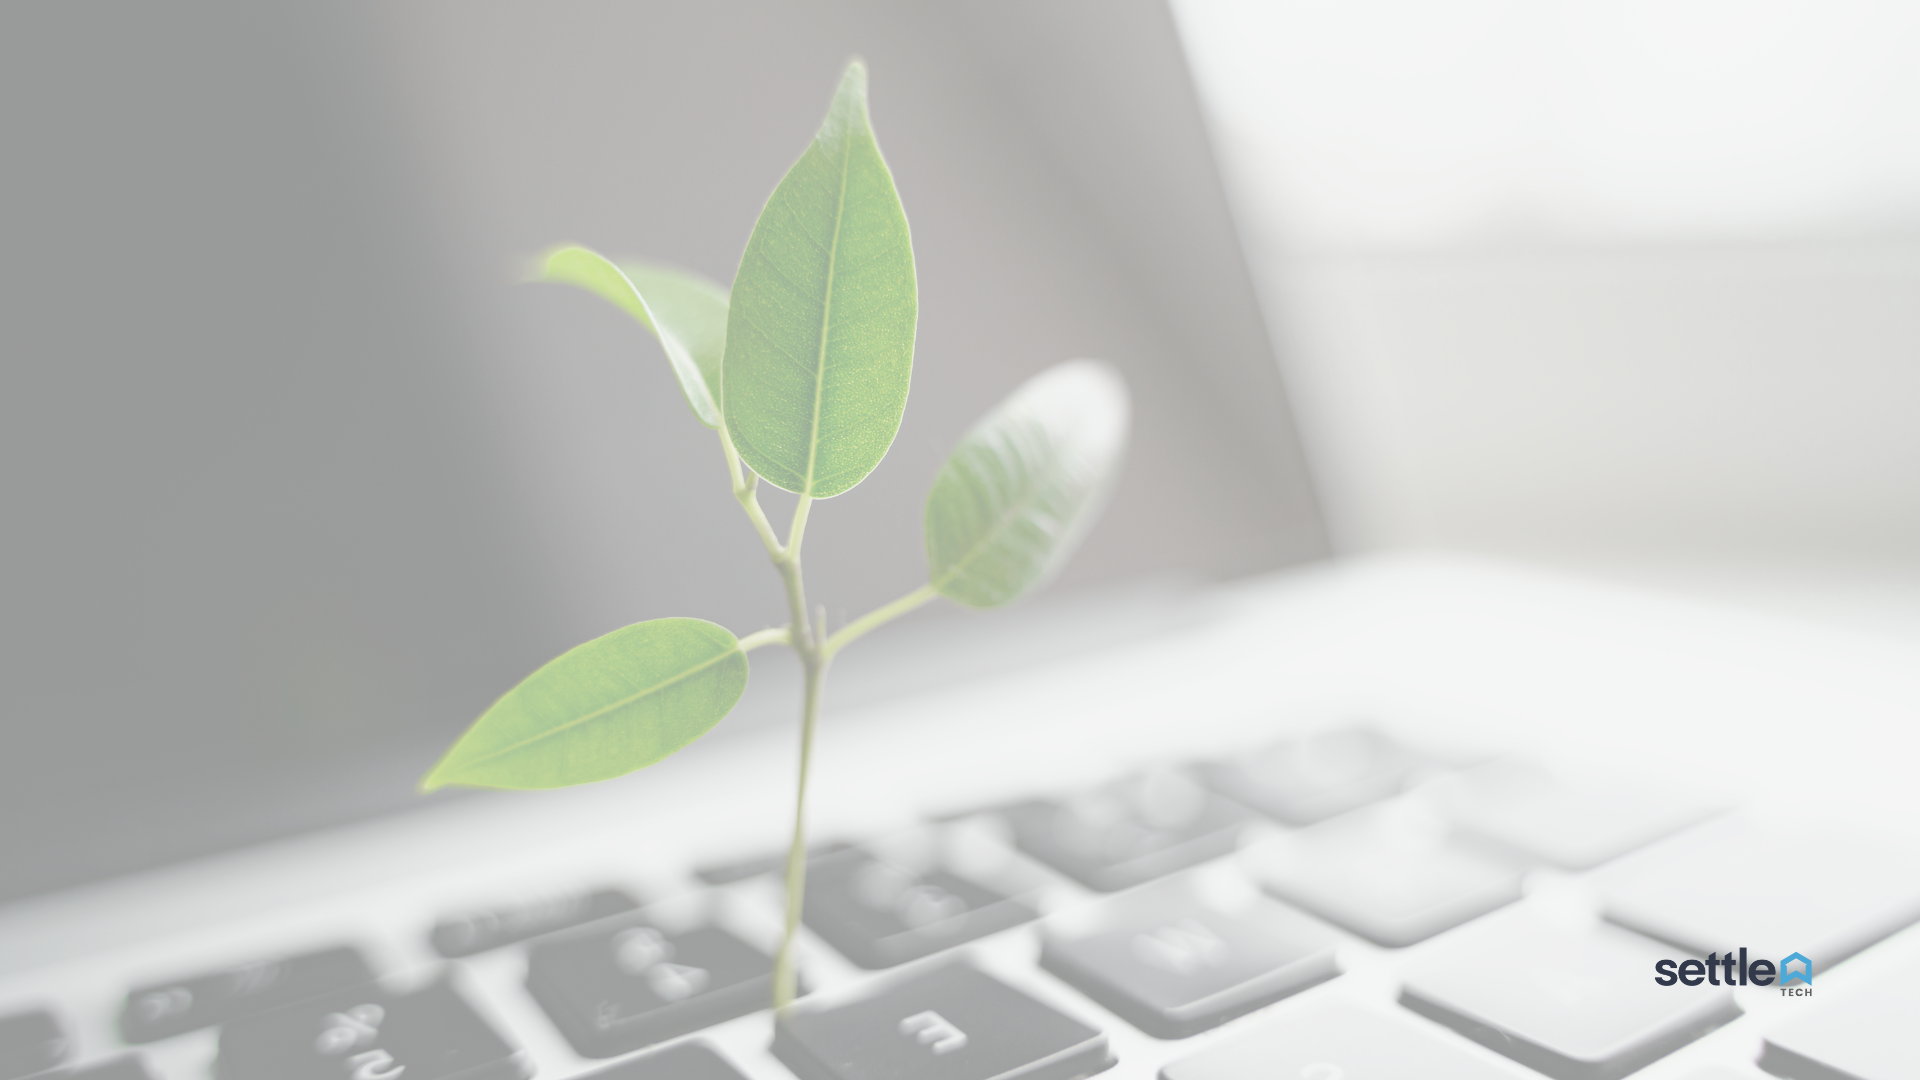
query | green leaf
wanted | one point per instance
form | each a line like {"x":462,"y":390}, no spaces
{"x":685,"y":311}
{"x":618,"y":703}
{"x":1020,"y":490}
{"x":820,"y":332}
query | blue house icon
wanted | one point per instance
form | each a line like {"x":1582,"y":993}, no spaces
{"x":1788,"y":974}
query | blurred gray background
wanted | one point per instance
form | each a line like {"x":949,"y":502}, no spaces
{"x":299,"y":478}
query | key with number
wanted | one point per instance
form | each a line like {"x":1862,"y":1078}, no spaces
{"x":1129,"y":832}
{"x":1728,"y":883}
{"x":1575,"y":1005}
{"x":171,"y":1008}
{"x":951,"y":1022}
{"x":1866,"y":1035}
{"x":628,"y":984}
{"x":1389,"y":883}
{"x":370,"y":1034}
{"x":878,"y":913}
{"x":1310,"y":779}
{"x":681,"y":1061}
{"x":1334,"y":1041}
{"x":1573,"y":826}
{"x":478,"y":931}
{"x":30,"y":1042}
{"x":1172,"y":966}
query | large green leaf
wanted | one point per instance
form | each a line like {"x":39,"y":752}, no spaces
{"x":685,"y":311}
{"x":820,"y":332}
{"x":1018,"y":492}
{"x":616,"y":704}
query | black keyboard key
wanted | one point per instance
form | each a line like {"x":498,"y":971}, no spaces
{"x":630,"y":984}
{"x":369,"y":1034}
{"x":1573,"y":1005}
{"x":1173,"y":967}
{"x":1391,"y":884}
{"x":1310,"y":779}
{"x":681,"y":1061}
{"x":951,"y":1022}
{"x":172,"y":1008}
{"x":478,"y":931}
{"x":1335,"y":1041}
{"x":31,"y":1042}
{"x":1129,"y":832}
{"x":878,"y":913}
{"x":761,"y":865}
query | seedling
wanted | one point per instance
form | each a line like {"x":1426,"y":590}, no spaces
{"x":803,"y":374}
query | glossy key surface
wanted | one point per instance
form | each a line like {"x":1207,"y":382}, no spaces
{"x":1312,"y":778}
{"x":470,"y":932}
{"x":1575,"y":1005}
{"x":369,"y":1034}
{"x":1388,"y":883}
{"x":1866,"y":1034}
{"x":948,"y":1022}
{"x":1728,"y":883}
{"x":1173,"y":966}
{"x":1129,"y":832}
{"x":1335,"y":1041}
{"x":161,"y":1010}
{"x":30,"y":1042}
{"x":1573,"y":826}
{"x":681,"y":1061}
{"x":878,"y":913}
{"x":125,"y":1067}
{"x":627,"y":983}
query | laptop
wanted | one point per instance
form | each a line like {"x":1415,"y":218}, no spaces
{"x":300,"y":480}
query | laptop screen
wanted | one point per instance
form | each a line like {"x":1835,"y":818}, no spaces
{"x":299,"y":479}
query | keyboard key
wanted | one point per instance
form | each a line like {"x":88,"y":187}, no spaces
{"x":951,"y":1022}
{"x":1727,"y":884}
{"x":1173,"y":967}
{"x":1129,"y":832}
{"x":127,"y":1067}
{"x":1575,"y":1005}
{"x":171,"y":1008}
{"x":370,"y":1034}
{"x":681,"y":1061}
{"x":1335,"y":1041}
{"x":630,"y":984}
{"x":878,"y":914}
{"x":1391,"y":884}
{"x":478,"y":931}
{"x":1575,"y":827}
{"x":761,"y":865}
{"x":1866,"y":1035}
{"x":1302,"y":781}
{"x":30,"y":1042}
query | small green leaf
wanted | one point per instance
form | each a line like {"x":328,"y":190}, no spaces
{"x":685,"y":311}
{"x":618,"y":703}
{"x":820,"y":334}
{"x":1018,"y":492}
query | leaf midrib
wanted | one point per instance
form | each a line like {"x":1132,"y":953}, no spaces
{"x":1015,"y":511}
{"x":602,"y":711}
{"x":826,"y":312}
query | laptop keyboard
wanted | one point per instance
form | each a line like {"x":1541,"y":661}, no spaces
{"x":1185,"y":922}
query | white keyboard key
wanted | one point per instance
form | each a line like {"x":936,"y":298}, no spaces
{"x":1865,"y":1035}
{"x":1576,"y":1005}
{"x":1335,"y":1041}
{"x":1726,"y":885}
{"x":1572,"y":826}
{"x":1390,"y":884}
{"x":1310,"y":779}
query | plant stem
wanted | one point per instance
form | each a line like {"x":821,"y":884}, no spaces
{"x":879,"y":616}
{"x":785,"y":972}
{"x":779,"y":635}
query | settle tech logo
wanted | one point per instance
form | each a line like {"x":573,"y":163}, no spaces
{"x":1794,"y":969}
